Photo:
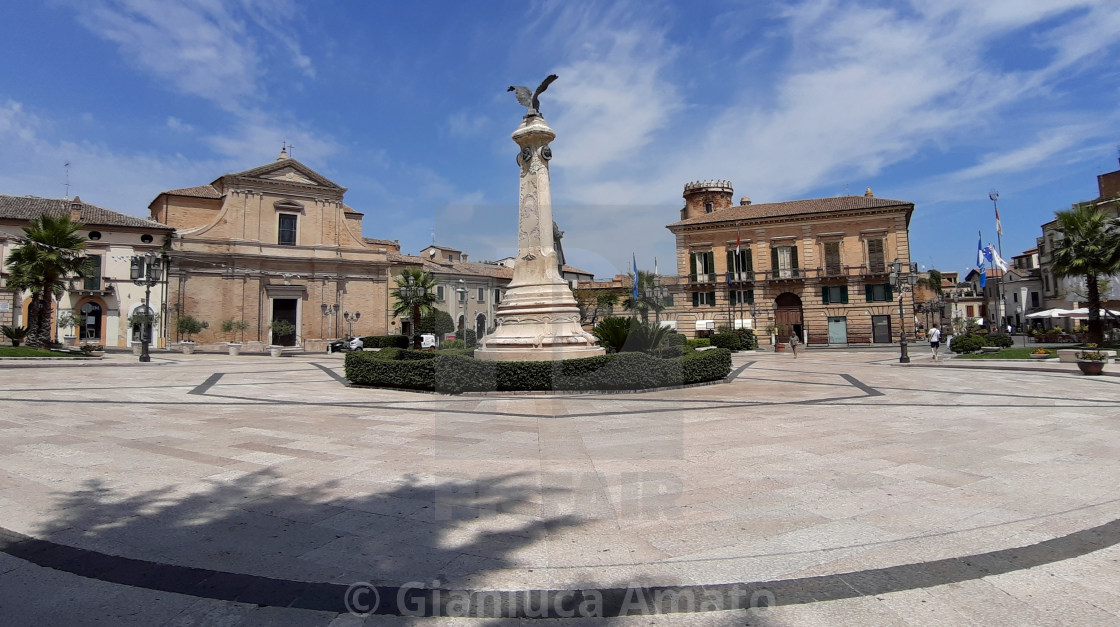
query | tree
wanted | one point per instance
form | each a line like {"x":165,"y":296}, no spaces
{"x":437,"y":322}
{"x":1089,"y":248}
{"x":594,"y":303}
{"x":647,"y":296}
{"x":415,"y":295}
{"x":189,"y":325}
{"x":50,"y":255}
{"x":934,"y":280}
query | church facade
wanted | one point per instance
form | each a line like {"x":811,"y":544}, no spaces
{"x":276,"y":242}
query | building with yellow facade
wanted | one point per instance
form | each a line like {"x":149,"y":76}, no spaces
{"x":819,"y":268}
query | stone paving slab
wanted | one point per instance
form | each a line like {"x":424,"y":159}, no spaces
{"x":798,"y":469}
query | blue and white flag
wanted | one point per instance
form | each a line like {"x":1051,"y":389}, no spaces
{"x":980,"y":260}
{"x":992,"y":256}
{"x":635,"y":260}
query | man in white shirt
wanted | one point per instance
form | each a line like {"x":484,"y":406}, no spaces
{"x":934,"y":336}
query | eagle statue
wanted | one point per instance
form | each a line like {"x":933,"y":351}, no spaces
{"x":530,"y":99}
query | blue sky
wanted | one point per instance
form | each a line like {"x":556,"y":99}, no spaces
{"x":405,"y":105}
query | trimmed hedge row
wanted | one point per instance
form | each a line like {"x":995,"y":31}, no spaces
{"x":453,"y":374}
{"x":385,"y":341}
{"x":971,"y":343}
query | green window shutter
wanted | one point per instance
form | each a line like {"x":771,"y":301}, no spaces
{"x":731,"y":261}
{"x":773,"y":261}
{"x":749,"y":259}
{"x":750,"y":297}
{"x":692,"y":266}
{"x":890,"y":294}
{"x":869,"y":292}
{"x":696,"y":299}
{"x":844,"y":294}
{"x":712,"y":299}
{"x":710,"y":258}
{"x":824,"y":294}
{"x":793,"y":257}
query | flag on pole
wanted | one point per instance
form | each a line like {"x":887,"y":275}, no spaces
{"x":980,"y":260}
{"x":635,"y":260}
{"x":999,"y":227}
{"x":992,"y":256}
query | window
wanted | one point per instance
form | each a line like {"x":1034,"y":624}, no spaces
{"x":832,"y":258}
{"x":702,"y":267}
{"x":439,"y":293}
{"x":740,"y":265}
{"x":1014,"y":297}
{"x":835,"y":294}
{"x":970,"y":311}
{"x":287,"y":229}
{"x":875,"y":259}
{"x":783,"y":262}
{"x":93,"y":282}
{"x":89,"y":321}
{"x":703,"y":298}
{"x":462,"y":295}
{"x":497,"y":297}
{"x":1034,"y":300}
{"x":95,"y":235}
{"x":742,"y":297}
{"x":482,"y":294}
{"x":708,"y":207}
{"x":879,"y":293}
{"x":146,"y":238}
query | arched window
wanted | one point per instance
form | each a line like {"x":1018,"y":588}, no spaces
{"x":480,"y":326}
{"x":89,"y":322}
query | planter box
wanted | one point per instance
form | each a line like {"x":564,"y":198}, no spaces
{"x":989,"y":349}
{"x":188,"y":347}
{"x":1042,"y":356}
{"x":1091,"y":367}
{"x":234,"y":348}
{"x":1069,"y":355}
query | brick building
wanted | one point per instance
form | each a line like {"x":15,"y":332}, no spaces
{"x":818,"y":267}
{"x":276,"y":242}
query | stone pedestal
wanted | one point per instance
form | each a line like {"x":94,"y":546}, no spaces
{"x":538,"y":319}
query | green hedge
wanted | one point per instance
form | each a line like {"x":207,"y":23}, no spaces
{"x":727,"y":339}
{"x":966,"y":343}
{"x":1001,"y":340}
{"x":699,"y":342}
{"x":385,"y":341}
{"x":453,"y":373}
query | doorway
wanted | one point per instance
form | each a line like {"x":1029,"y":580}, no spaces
{"x":787,"y":316}
{"x":285,"y":309}
{"x":881,"y":329}
{"x":837,"y":330}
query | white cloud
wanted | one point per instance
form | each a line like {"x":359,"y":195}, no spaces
{"x":464,"y":124}
{"x":208,"y":48}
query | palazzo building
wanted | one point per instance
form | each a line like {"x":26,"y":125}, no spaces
{"x":276,"y":242}
{"x":100,"y":305}
{"x":819,"y":268}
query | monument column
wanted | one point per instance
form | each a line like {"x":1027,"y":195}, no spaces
{"x":538,"y":319}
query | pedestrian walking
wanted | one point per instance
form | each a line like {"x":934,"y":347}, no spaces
{"x":934,"y":336}
{"x":793,"y":342}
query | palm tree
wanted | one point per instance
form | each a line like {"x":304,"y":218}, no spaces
{"x":415,"y":294}
{"x":1089,"y":248}
{"x":50,"y":255}
{"x":647,"y":296}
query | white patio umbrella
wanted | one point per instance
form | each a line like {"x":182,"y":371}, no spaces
{"x":1049,"y":313}
{"x":1084,"y":313}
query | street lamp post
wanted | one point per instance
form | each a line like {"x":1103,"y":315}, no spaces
{"x":901,"y":283}
{"x":350,"y":319}
{"x":146,"y":271}
{"x":329,"y":312}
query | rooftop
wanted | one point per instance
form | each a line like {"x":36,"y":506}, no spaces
{"x":795,"y":207}
{"x":30,"y":207}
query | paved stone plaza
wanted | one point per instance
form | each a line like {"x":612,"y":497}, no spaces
{"x":840,"y":488}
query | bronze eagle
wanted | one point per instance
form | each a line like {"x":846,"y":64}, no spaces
{"x":531,"y":99}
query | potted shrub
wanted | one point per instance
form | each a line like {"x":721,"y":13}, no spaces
{"x":230,"y":326}
{"x":66,"y":320}
{"x":781,"y":335}
{"x":15,"y":334}
{"x":1041,"y":353}
{"x":93,"y":350}
{"x":280,"y":328}
{"x":189,"y":325}
{"x":1091,"y":361}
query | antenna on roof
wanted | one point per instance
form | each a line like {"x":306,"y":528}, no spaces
{"x":67,"y":166}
